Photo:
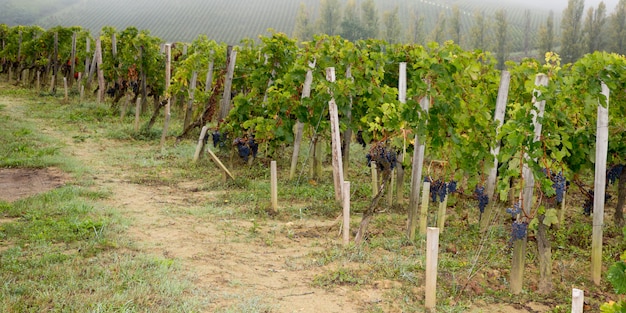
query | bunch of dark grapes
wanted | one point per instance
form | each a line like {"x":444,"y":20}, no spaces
{"x":384,"y":157}
{"x":452,"y":186}
{"x":254,"y":146}
{"x":246,"y":146}
{"x":359,"y":139}
{"x":516,"y":209}
{"x":559,"y":184}
{"x":518,"y":231}
{"x":219,"y":139}
{"x":483,"y":199}
{"x":613,"y":173}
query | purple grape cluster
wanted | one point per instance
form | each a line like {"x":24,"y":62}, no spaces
{"x":518,"y":231}
{"x":483,"y":199}
{"x":559,"y":184}
{"x":516,"y":209}
{"x":219,"y":139}
{"x":385,"y":157}
{"x":246,"y":147}
{"x":613,"y":173}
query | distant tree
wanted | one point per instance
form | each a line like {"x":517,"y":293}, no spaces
{"x":617,"y":33}
{"x":330,"y":17}
{"x":370,"y":19}
{"x":478,"y":32}
{"x":528,"y":45}
{"x":351,"y":25}
{"x":571,"y":34}
{"x":438,"y":33}
{"x":304,"y":28}
{"x":415,"y":33}
{"x":393,"y":29}
{"x":501,"y":38}
{"x":546,"y":36}
{"x":455,"y":25}
{"x":593,"y":28}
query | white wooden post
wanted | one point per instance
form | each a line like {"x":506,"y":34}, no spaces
{"x":399,"y":169}
{"x":519,"y":246}
{"x":416,"y":175}
{"x":168,"y":73}
{"x":274,"y":185}
{"x":346,"y":212}
{"x":432,"y":254}
{"x":602,"y":144}
{"x":306,"y":93}
{"x":137,"y":113}
{"x":424,"y":209}
{"x":98,"y":55}
{"x":503,"y":94}
{"x":335,"y":140}
{"x":578,"y":300}
{"x":196,"y":155}
{"x":374,"y":178}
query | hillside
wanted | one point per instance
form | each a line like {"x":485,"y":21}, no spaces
{"x":232,"y":20}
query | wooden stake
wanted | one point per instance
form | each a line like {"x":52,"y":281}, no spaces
{"x":441,"y":214}
{"x":424,"y":210}
{"x":274,"y":186}
{"x":335,"y":140}
{"x":38,"y":86}
{"x":578,"y":300}
{"x":225,"y":107}
{"x":374,"y":178}
{"x":192,"y":90}
{"x":503,"y":94}
{"x":416,"y":175}
{"x":137,"y":113}
{"x":168,"y":73}
{"x":220,"y":164}
{"x":101,"y":85}
{"x":346,"y":212}
{"x":65,"y":87}
{"x":200,"y":144}
{"x":306,"y":93}
{"x":602,"y":143}
{"x":432,"y":255}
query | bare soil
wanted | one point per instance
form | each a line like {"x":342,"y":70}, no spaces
{"x":17,"y":183}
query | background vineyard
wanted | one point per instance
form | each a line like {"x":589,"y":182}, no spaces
{"x":232,"y":21}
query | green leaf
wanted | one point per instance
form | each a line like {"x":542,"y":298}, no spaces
{"x":617,"y":277}
{"x":551,"y":218}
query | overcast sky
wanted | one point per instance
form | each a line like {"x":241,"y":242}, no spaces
{"x":559,"y":5}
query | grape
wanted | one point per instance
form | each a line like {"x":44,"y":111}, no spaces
{"x":384,"y":157}
{"x":434,"y":189}
{"x":216,"y":138}
{"x":518,"y":231}
{"x":369,"y":159}
{"x":516,"y":209}
{"x":443,"y":191}
{"x":254,"y":147}
{"x":452,"y":187}
{"x":483,"y":199}
{"x":613,"y":173}
{"x":559,"y":184}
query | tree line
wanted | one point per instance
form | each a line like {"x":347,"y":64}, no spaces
{"x":577,"y":33}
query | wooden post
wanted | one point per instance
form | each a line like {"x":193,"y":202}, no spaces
{"x":602,"y":143}
{"x":578,"y":300}
{"x":66,"y":98}
{"x":347,"y":135}
{"x":231,"y":60}
{"x":503,"y":94}
{"x":441,"y":214}
{"x":346,"y":212}
{"x":220,"y":165}
{"x":101,"y":85}
{"x":55,"y":61}
{"x":432,"y":255}
{"x":519,"y":246}
{"x":374,"y":179}
{"x":87,"y":59}
{"x":274,"y":186}
{"x":168,"y":73}
{"x":400,"y":171}
{"x":124,"y":108}
{"x":38,"y":86}
{"x":73,"y":60}
{"x":196,"y":155}
{"x":208,"y":82}
{"x":423,"y":211}
{"x":392,"y":182}
{"x":335,"y":140}
{"x":416,"y":175}
{"x":306,"y":93}
{"x":19,"y":57}
{"x":137,"y":113}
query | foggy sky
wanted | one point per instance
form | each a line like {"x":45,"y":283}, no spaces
{"x":559,"y":5}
